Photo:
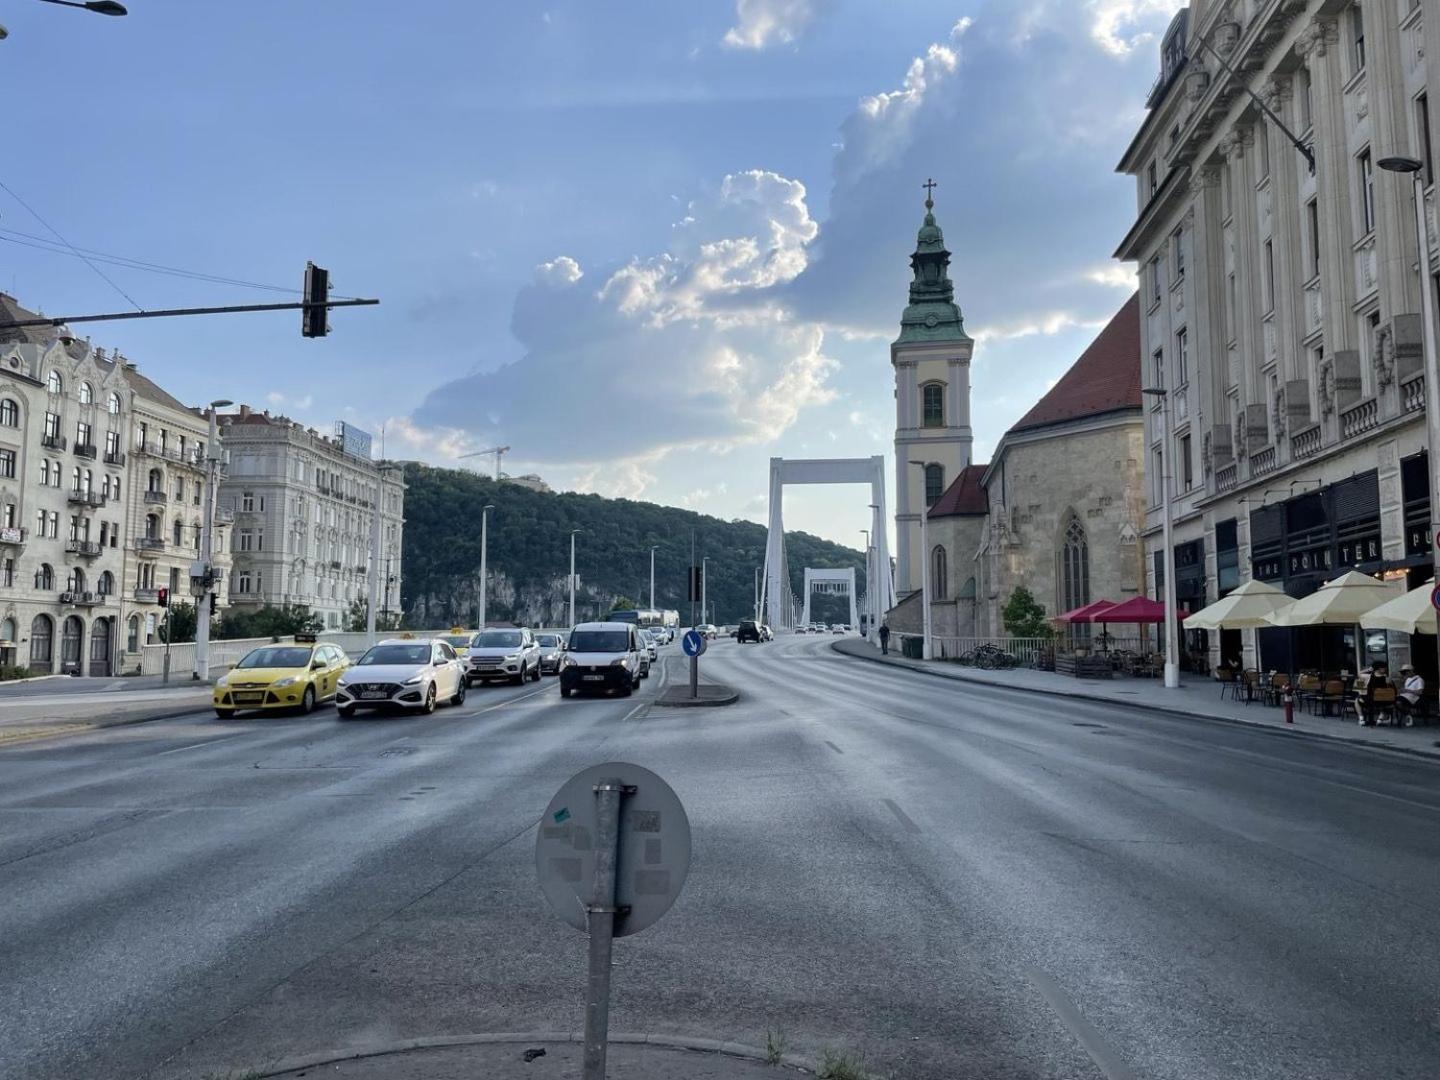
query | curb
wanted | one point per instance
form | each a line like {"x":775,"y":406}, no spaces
{"x":1249,"y":725}
{"x":99,"y":725}
{"x":728,"y":697}
{"x":33,"y":678}
{"x":439,"y":1042}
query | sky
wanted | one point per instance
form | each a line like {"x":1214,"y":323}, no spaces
{"x":647,"y":245}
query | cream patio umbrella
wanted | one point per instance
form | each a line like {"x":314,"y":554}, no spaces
{"x":1342,"y":602}
{"x":1411,"y":613}
{"x":1246,"y":608}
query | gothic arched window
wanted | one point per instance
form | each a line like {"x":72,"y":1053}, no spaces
{"x":939,"y":574}
{"x":932,"y":405}
{"x":934,"y":483}
{"x":1074,"y":566}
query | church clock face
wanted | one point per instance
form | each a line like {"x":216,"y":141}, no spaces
{"x":932,"y":321}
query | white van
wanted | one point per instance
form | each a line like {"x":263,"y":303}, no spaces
{"x":602,"y":656}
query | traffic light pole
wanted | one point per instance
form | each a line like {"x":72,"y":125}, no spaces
{"x":207,"y":539}
{"x":167,"y":313}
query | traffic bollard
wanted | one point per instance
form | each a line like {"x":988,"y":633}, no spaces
{"x":1289,"y":699}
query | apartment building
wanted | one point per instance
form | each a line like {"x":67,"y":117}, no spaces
{"x":1281,"y":303}
{"x":302,"y":505}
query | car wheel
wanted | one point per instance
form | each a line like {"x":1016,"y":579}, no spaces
{"x":429,"y":706}
{"x":307,"y":701}
{"x":345,"y":711}
{"x":518,"y":679}
{"x":225,"y":714}
{"x":536,"y":676}
{"x":627,"y":689}
{"x":459,"y":698}
{"x":565,"y":691}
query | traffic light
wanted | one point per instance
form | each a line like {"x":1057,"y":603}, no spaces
{"x":314,"y":319}
{"x":162,"y":597}
{"x":214,"y":604}
{"x":696,"y":587}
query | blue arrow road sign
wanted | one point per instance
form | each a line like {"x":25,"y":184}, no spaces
{"x":693,"y":643}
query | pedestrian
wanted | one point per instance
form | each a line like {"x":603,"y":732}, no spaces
{"x":885,"y":639}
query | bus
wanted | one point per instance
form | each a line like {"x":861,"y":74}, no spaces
{"x":649,"y":619}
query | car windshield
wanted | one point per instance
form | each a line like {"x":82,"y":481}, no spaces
{"x":397,"y":654}
{"x":497,"y":639}
{"x":549,"y":641}
{"x":281,"y":657}
{"x":599,"y":641}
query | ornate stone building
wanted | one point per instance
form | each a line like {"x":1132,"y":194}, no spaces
{"x":1281,"y":299}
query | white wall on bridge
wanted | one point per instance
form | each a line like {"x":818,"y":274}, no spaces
{"x":830,"y":581}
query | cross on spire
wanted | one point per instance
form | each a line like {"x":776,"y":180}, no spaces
{"x":929,"y":186}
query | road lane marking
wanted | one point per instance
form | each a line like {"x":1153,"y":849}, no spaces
{"x":509,"y":701}
{"x":196,"y":746}
{"x":832,"y":746}
{"x":1101,"y":1053}
{"x":904,"y":818}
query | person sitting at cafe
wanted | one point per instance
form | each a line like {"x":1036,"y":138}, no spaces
{"x":1365,"y":685}
{"x":1413,"y":687}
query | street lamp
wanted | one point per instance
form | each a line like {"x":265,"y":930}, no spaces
{"x":924,"y":565}
{"x":1416,"y":168}
{"x":99,"y":7}
{"x":484,"y":551}
{"x":868,"y":581}
{"x":201,"y":669}
{"x":1172,"y":646}
{"x":704,"y":580}
{"x":872,"y":574}
{"x":652,"y":575}
{"x":573,"y":533}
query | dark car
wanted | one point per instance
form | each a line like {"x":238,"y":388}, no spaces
{"x":747,"y":631}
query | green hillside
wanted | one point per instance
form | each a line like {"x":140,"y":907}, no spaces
{"x":529,"y":553}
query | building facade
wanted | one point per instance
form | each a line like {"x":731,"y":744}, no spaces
{"x":1281,"y":297}
{"x":931,"y":358}
{"x":165,"y":505}
{"x":302,"y":511}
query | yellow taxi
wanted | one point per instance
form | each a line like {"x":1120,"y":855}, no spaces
{"x":295,"y":675}
{"x":458,"y":639}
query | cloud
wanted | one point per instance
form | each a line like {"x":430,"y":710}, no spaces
{"x":1114,"y":276}
{"x":684,"y":347}
{"x":1119,"y":26}
{"x":1046,"y":324}
{"x":762,"y":23}
{"x":404,"y":439}
{"x":280,"y":401}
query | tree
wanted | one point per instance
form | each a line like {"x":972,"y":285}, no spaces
{"x":181,"y":622}
{"x":358,"y":616}
{"x":270,"y":621}
{"x":622,"y":603}
{"x":1024,"y":616}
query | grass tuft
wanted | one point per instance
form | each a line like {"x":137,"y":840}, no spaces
{"x":775,"y":1045}
{"x":842,"y":1065}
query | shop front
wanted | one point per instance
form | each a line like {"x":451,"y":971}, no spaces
{"x":1190,"y":595}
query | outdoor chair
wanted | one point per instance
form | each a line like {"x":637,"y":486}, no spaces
{"x":1274,"y":688}
{"x":1381,"y":703}
{"x":1226,"y":678}
{"x":1250,"y":683}
{"x":1307,"y":689}
{"x":1332,"y":696}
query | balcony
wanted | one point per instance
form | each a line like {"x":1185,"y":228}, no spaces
{"x":12,"y":535}
{"x":156,"y":497}
{"x":53,"y":442}
{"x":88,"y":548}
{"x":1412,"y":392}
{"x":147,"y":596}
{"x":86,"y":450}
{"x":149,"y":545}
{"x":166,"y":453}
{"x":1305,"y":442}
{"x":81,"y":599}
{"x":1227,"y":476}
{"x":92,"y":499}
{"x":1359,"y":418}
{"x":1263,"y":461}
{"x":224,"y":516}
{"x":116,"y":457}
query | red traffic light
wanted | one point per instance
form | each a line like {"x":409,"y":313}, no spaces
{"x":162,"y":597}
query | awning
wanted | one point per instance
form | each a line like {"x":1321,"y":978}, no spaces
{"x":1086,"y":613}
{"x":1342,"y":602}
{"x":1411,"y":613}
{"x":1139,"y":609}
{"x":1247,"y":608}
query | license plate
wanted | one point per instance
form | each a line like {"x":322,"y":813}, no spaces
{"x":249,"y":699}
{"x":593,"y":678}
{"x":371,"y":695}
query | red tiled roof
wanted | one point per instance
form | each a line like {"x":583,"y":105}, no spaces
{"x":1105,"y":379}
{"x":963,"y":496}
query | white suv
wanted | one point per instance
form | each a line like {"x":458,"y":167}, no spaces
{"x":503,"y":654}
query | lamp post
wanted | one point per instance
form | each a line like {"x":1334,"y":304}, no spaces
{"x":875,"y":598}
{"x":758,"y":571}
{"x":573,"y":533}
{"x":704,"y":581}
{"x":207,"y":531}
{"x":1415,"y":167}
{"x":1172,"y":645}
{"x":99,"y":7}
{"x":868,"y":583}
{"x":925,"y":653}
{"x":652,"y":575}
{"x":484,"y":552}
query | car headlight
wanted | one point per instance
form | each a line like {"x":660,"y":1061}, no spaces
{"x":416,"y":680}
{"x":624,"y":661}
{"x":512,"y":656}
{"x":289,"y":680}
{"x":223,"y":681}
{"x":568,"y":661}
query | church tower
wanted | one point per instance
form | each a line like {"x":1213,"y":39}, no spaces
{"x":931,"y":358}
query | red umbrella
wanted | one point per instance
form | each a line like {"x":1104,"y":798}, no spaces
{"x":1139,"y":609}
{"x":1087,"y":613}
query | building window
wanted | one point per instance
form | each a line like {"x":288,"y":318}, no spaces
{"x":1177,"y":239}
{"x":82,"y":434}
{"x":246,"y":539}
{"x":132,"y":634}
{"x":52,"y":426}
{"x":1422,"y":121}
{"x":112,"y":404}
{"x":1157,"y":480}
{"x":934,"y":483}
{"x":1312,"y":236}
{"x":112,"y":445}
{"x":54,"y":383}
{"x":247,"y":501}
{"x":242,"y":582}
{"x":9,"y":413}
{"x":932,"y":399}
{"x":155,"y":482}
{"x":9,"y":515}
{"x":177,"y":532}
{"x":142,"y":434}
{"x":45,"y":578}
{"x":1269,"y":276}
{"x":1262,"y":148}
{"x":1158,"y":368}
{"x":939,"y":574}
{"x":7,"y":464}
{"x":9,"y":573}
{"x":87,"y":394}
{"x":1074,"y":567}
{"x":1182,"y":358}
{"x":1367,"y":191}
{"x":180,"y":489}
{"x":1152,"y":180}
{"x":1187,"y":470}
{"x":1307,"y":105}
{"x":1357,"y":38}
{"x":1155,"y":279}
{"x":106,"y":584}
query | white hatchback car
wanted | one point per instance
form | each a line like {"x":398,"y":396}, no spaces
{"x":405,"y":673}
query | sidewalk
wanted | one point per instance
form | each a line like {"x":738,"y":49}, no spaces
{"x":1196,"y":699}
{"x":34,"y":716}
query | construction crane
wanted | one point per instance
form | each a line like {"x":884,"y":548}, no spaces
{"x":498,"y":451}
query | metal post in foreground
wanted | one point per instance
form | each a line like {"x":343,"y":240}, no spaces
{"x":572,"y":577}
{"x":925,"y":651}
{"x":373,"y":591}
{"x":166,"y":676}
{"x":1167,"y":559}
{"x":484,"y":573}
{"x":600,"y":915}
{"x":207,"y":534}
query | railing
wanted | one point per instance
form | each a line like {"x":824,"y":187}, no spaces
{"x":167,"y":453}
{"x":149,"y":545}
{"x":981,"y":651}
{"x":115,"y":457}
{"x":83,"y":547}
{"x":81,"y":599}
{"x":155,"y":497}
{"x":86,"y":498}
{"x":1412,"y":392}
{"x":1359,"y":418}
{"x":1262,"y":461}
{"x":86,"y":450}
{"x":224,"y":516}
{"x":11,"y":534}
{"x":1305,"y":442}
{"x":147,"y":596}
{"x":1227,"y":476}
{"x":53,"y":442}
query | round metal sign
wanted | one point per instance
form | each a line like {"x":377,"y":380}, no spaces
{"x":694,"y":643}
{"x":1435,"y":597}
{"x":654,"y":847}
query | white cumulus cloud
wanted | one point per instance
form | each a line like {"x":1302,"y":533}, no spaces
{"x":562,"y":270}
{"x":762,"y":23}
{"x":1119,"y":26}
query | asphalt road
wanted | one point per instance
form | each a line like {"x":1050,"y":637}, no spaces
{"x":960,"y":882}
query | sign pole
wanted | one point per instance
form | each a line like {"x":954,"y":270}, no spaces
{"x":694,"y":676}
{"x":600,"y":915}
